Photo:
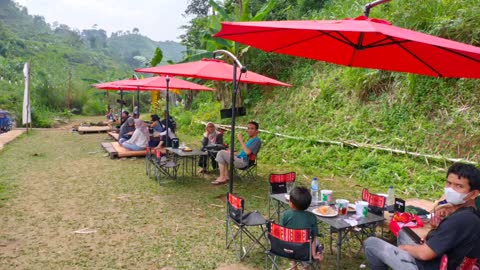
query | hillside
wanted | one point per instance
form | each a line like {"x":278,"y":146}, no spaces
{"x":65,"y":62}
{"x":339,"y":104}
{"x":126,"y":47}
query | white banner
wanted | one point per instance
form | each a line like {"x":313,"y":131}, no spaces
{"x":26,"y":115}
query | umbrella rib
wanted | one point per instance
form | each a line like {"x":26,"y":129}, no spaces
{"x":418,"y":58}
{"x":294,"y":43}
{"x":459,"y":54}
{"x":344,"y":39}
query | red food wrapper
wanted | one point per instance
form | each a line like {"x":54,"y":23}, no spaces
{"x":400,"y":220}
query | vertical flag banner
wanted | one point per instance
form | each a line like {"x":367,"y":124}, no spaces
{"x":26,"y":115}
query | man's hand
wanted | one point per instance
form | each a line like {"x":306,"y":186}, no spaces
{"x":240,"y":138}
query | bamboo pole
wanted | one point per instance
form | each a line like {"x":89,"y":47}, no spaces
{"x":358,"y":145}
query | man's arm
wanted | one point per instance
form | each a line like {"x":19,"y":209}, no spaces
{"x":244,"y":146}
{"x":422,"y":252}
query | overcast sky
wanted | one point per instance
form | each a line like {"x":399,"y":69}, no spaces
{"x":157,"y":19}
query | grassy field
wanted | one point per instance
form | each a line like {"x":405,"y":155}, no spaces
{"x":57,"y":182}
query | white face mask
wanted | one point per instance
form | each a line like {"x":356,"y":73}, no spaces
{"x":454,"y":197}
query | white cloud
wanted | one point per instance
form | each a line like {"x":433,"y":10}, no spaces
{"x":157,"y":19}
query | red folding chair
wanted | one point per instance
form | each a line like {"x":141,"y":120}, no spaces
{"x":278,"y":185}
{"x":292,"y":244}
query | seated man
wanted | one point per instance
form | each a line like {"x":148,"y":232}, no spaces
{"x":241,"y":160}
{"x":457,"y":235}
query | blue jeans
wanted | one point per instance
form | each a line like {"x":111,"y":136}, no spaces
{"x":381,"y":255}
{"x":132,"y":147}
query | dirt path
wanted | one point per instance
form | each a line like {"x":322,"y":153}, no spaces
{"x":74,"y":208}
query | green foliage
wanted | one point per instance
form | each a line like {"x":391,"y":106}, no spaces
{"x":157,"y":57}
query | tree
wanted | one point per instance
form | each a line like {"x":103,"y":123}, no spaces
{"x":155,"y":95}
{"x":135,"y":30}
{"x":199,"y":8}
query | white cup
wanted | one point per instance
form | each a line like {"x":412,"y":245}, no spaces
{"x":326,"y":195}
{"x":361,"y":208}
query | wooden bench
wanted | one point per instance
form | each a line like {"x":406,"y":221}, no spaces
{"x":93,"y":129}
{"x":115,"y":150}
{"x":114,"y":135}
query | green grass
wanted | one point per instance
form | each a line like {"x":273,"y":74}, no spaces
{"x":63,"y":182}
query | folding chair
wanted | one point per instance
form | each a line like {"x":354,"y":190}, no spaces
{"x":240,"y":223}
{"x":293,"y":244}
{"x":250,"y":171}
{"x":278,"y":185}
{"x":163,"y":166}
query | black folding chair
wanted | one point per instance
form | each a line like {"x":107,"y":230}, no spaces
{"x":292,"y":244}
{"x":240,"y":223}
{"x":278,"y":185}
{"x":250,"y":171}
{"x":160,"y":165}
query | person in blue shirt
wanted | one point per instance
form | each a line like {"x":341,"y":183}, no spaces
{"x":241,"y":160}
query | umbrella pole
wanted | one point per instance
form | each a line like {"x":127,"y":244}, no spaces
{"x":167,"y":114}
{"x":232,"y":130}
{"x":243,"y":69}
{"x":121,"y":105}
{"x":368,"y":6}
{"x":138,"y":101}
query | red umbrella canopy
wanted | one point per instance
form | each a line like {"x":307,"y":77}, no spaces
{"x":360,"y":42}
{"x":152,"y":84}
{"x":211,"y":69}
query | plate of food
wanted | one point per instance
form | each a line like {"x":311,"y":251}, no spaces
{"x":351,"y":207}
{"x":187,"y":149}
{"x":325,"y":211}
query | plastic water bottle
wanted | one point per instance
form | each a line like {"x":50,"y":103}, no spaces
{"x":391,"y":196}
{"x":314,"y":190}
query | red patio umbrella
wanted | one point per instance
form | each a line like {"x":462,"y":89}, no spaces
{"x":152,"y":84}
{"x":360,"y":42}
{"x":211,"y":69}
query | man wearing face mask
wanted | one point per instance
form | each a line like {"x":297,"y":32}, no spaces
{"x":457,"y":235}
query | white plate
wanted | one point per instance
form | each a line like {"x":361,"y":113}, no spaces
{"x":322,"y":215}
{"x":351,"y":207}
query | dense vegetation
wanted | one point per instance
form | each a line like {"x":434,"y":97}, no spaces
{"x":65,"y":62}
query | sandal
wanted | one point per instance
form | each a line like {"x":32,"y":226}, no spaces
{"x":219,"y":182}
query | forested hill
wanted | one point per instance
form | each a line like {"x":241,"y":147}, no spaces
{"x":65,"y":62}
{"x":134,"y":48}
